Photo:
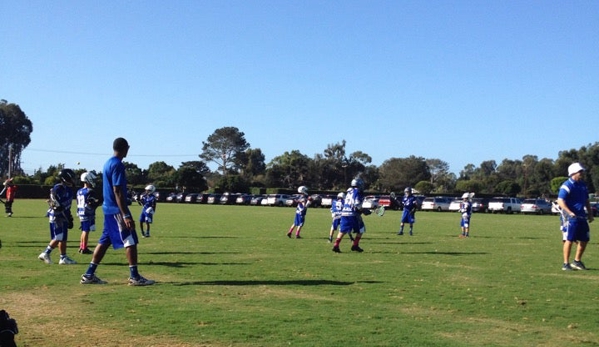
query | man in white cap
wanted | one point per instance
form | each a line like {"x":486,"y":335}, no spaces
{"x":573,"y":197}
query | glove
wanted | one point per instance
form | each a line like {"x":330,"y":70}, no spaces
{"x":150,"y":210}
{"x":70,"y":222}
{"x":366,"y":212}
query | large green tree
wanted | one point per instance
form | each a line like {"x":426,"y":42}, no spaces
{"x":224,"y":147}
{"x":15,"y":131}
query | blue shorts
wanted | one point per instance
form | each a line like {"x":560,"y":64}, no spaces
{"x":115,"y":232}
{"x":88,"y":225}
{"x":576,"y":229}
{"x":352,"y":224}
{"x":299,"y":220}
{"x":407,"y":217}
{"x":146,"y":217}
{"x":465,"y":222}
{"x":59,"y":230}
{"x":336,"y":223}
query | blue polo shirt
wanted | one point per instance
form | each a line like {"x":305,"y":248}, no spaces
{"x":113,"y":175}
{"x":575,"y":195}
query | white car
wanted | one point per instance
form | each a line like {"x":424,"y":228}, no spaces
{"x":455,"y":204}
{"x":370,"y":202}
{"x":437,"y":203}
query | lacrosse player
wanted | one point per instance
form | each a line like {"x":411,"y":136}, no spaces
{"x":573,"y":197}
{"x":11,"y":189}
{"x":336,"y":214}
{"x":86,"y":209}
{"x":409,"y":204}
{"x":300,"y":213}
{"x":148,"y":202}
{"x":119,"y":226}
{"x":465,"y":213}
{"x":351,"y":216}
{"x":61,"y":219}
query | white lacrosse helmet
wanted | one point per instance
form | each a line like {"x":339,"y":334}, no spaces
{"x":150,"y":188}
{"x":358,"y":183}
{"x":89,"y":178}
{"x":341,"y":195}
{"x":302,"y":190}
{"x":466,"y":195}
{"x":408,"y":190}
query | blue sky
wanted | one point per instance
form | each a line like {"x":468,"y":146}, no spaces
{"x":461,"y":81}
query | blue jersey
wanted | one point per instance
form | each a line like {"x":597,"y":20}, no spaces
{"x":352,"y":205}
{"x":148,"y":200}
{"x":302,"y":207}
{"x":336,"y":208}
{"x":113,"y":175}
{"x":86,"y":204}
{"x":61,"y":198}
{"x":575,"y":194}
{"x":466,"y":207}
{"x":409,"y":202}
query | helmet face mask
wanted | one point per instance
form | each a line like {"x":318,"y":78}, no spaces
{"x":358,"y":183}
{"x":89,"y":178}
{"x":150,"y":189}
{"x":341,"y":195}
{"x":302,"y":190}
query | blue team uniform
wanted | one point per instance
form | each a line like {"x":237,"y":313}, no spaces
{"x":300,"y":212}
{"x":409,"y":205}
{"x":466,"y":211}
{"x":86,"y":208}
{"x":575,"y":195}
{"x":336,"y":213}
{"x":351,"y":219}
{"x":148,"y":202}
{"x":61,"y":198}
{"x":115,"y":231}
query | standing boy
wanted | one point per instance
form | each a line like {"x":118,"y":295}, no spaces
{"x":351,"y":216}
{"x":61,"y":219}
{"x":466,"y":213}
{"x":409,"y":204}
{"x":148,"y":203}
{"x":119,"y":226}
{"x":300,"y":213}
{"x":86,"y":209}
{"x":11,"y":190}
{"x":336,"y":207}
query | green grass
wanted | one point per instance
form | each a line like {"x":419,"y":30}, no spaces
{"x":228,"y":276}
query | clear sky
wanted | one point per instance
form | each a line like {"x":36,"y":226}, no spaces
{"x":461,"y":81}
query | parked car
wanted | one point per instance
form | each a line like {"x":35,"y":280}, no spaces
{"x":504,"y":205}
{"x":243,"y":199}
{"x":160,"y":196}
{"x":480,"y":205}
{"x":316,"y":200}
{"x":536,"y":206}
{"x":437,"y":203}
{"x":191,"y":198}
{"x":277,"y":199}
{"x":555,"y":209}
{"x":370,"y":202}
{"x":257,"y":200}
{"x":181,"y":197}
{"x":202,"y":198}
{"x":228,"y":198}
{"x":214,"y":198}
{"x":327,"y":200}
{"x":455,"y":204}
{"x":594,"y":206}
{"x":171,"y":197}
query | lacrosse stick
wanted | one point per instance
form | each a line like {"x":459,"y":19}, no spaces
{"x":379,"y":210}
{"x":2,"y":201}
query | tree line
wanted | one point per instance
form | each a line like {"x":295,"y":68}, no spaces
{"x":241,"y":168}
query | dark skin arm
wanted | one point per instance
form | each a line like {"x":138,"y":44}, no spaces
{"x":122,"y":203}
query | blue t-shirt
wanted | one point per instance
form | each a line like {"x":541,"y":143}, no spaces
{"x":575,"y":195}
{"x":353,"y":203}
{"x":409,"y":202}
{"x":113,"y":175}
{"x":61,"y":198}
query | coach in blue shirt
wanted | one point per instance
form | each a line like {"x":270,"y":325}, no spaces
{"x":573,"y":197}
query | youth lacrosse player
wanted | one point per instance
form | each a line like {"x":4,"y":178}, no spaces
{"x":466,"y":213}
{"x":86,"y":209}
{"x":410,"y":204}
{"x":61,"y":219}
{"x":148,"y":202}
{"x":300,"y":213}
{"x":336,"y":214}
{"x":351,"y":216}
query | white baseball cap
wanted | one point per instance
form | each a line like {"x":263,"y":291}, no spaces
{"x":574,"y":168}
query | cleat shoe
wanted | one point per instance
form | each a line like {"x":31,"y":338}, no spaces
{"x":566,"y":267}
{"x":91,"y":280}
{"x":86,"y":251}
{"x":298,"y":237}
{"x":411,"y":233}
{"x":45,"y":257}
{"x":141,"y":281}
{"x":330,"y":239}
{"x":400,"y":233}
{"x":336,"y":250}
{"x":578,"y":265}
{"x":289,"y":235}
{"x":66,"y":261}
{"x":356,"y":249}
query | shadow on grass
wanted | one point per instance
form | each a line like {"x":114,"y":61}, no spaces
{"x":271,"y":283}
{"x":190,"y":253}
{"x":447,"y":253}
{"x":174,"y":264}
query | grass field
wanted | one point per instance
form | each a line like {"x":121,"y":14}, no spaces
{"x":228,"y":276}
